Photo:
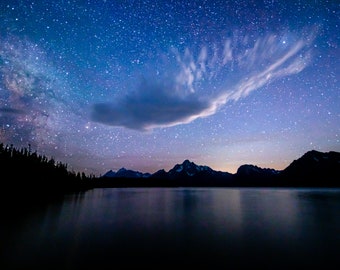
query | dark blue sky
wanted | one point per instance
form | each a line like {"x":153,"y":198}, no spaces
{"x":146,"y":84}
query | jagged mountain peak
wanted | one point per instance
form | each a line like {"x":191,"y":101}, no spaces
{"x":188,"y":168}
{"x":188,"y":162}
{"x":125,"y":173}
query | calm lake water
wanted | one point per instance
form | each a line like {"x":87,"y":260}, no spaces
{"x":175,"y":227}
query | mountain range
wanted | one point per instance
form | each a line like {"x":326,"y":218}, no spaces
{"x":314,"y":168}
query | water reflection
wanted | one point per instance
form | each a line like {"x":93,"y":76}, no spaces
{"x":274,"y":228}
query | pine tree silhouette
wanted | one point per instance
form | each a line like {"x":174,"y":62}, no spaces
{"x":26,"y":173}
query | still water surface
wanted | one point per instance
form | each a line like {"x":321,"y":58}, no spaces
{"x":174,"y":227}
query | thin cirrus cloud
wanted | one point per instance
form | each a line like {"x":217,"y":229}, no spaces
{"x":166,"y":104}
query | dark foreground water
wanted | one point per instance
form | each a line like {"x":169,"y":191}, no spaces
{"x":259,"y":228}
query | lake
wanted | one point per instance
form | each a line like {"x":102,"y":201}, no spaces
{"x":273,"y":228}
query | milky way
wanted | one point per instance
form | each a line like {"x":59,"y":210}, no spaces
{"x":102,"y":85}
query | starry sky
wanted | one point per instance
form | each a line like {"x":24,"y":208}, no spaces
{"x":102,"y":84}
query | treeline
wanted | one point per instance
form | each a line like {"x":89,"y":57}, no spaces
{"x":24,"y":172}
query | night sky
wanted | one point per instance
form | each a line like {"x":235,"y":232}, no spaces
{"x":144,"y":85}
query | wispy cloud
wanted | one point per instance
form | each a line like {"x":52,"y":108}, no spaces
{"x":286,"y":65}
{"x":175,"y":100}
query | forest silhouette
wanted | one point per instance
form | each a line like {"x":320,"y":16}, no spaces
{"x":34,"y":177}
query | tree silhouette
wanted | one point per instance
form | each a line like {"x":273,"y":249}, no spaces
{"x":28,"y":174}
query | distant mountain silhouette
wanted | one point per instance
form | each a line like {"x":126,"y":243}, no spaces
{"x":190,"y":174}
{"x":252,"y":175}
{"x":29,"y":175}
{"x":124,"y":173}
{"x":312,"y":169}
